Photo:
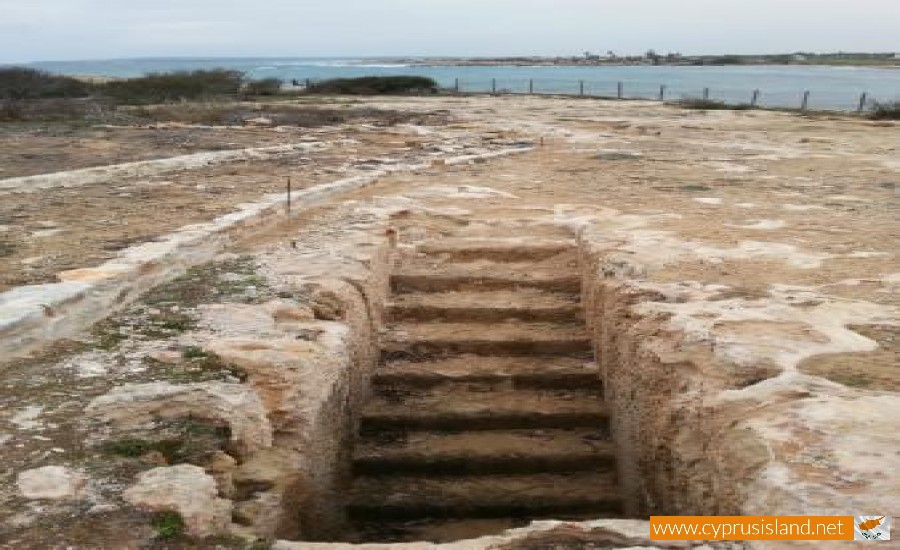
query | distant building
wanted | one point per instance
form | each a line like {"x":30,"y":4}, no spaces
{"x":798,"y":57}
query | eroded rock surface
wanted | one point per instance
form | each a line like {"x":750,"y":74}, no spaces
{"x":139,"y":405}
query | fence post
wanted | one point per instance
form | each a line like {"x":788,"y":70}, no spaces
{"x":531,"y":86}
{"x":705,"y":93}
{"x":755,"y":98}
{"x":862,"y":102}
{"x":288,"y":205}
{"x":581,"y":87}
{"x":493,"y":85}
{"x":805,"y":103}
{"x":621,"y":90}
{"x":662,"y":92}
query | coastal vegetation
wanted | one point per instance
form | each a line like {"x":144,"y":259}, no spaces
{"x":266,"y":86}
{"x":699,"y":103}
{"x":177,"y":86}
{"x":888,"y":110}
{"x":31,"y":95}
{"x":191,"y":96}
{"x":19,"y":84}
{"x":374,"y":85}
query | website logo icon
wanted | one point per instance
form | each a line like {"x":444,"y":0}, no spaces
{"x":872,"y":528}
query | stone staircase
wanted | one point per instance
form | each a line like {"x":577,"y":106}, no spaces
{"x":487,"y":411}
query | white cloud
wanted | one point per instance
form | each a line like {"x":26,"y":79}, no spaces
{"x":80,"y":29}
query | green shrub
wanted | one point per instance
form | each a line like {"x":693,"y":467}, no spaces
{"x":168,"y":87}
{"x":194,"y":352}
{"x":889,"y":110}
{"x":695,"y":187}
{"x":711,"y":104}
{"x":21,"y":83}
{"x":168,"y":525}
{"x":266,"y":86}
{"x":373,"y":85}
{"x":131,"y":448}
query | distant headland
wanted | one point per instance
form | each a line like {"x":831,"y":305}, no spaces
{"x":651,"y":57}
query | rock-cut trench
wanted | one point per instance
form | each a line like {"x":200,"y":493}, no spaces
{"x":487,"y":410}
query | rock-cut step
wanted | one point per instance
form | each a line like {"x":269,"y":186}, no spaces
{"x":537,"y":495}
{"x":425,"y":276}
{"x":480,"y":410}
{"x":485,"y":452}
{"x":509,"y":249}
{"x":424,"y":339}
{"x":521,"y":372}
{"x":490,"y":306}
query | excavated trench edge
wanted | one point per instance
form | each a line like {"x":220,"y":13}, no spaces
{"x":606,"y":302}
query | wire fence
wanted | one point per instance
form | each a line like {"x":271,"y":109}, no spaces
{"x":801,"y":99}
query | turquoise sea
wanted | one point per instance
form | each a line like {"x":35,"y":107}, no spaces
{"x":780,"y":86}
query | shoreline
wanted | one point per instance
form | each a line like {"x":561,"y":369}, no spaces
{"x":473,"y":62}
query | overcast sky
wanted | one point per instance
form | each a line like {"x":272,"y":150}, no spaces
{"x":32,"y":30}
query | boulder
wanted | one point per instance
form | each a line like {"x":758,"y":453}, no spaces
{"x":187,"y":490}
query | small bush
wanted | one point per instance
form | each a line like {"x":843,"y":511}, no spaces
{"x":695,"y":187}
{"x":21,"y":83}
{"x":889,"y":110}
{"x":375,"y":85}
{"x":266,"y":86}
{"x":711,"y":104}
{"x":194,"y":352}
{"x":168,"y":525}
{"x":178,"y":86}
{"x":131,"y":448}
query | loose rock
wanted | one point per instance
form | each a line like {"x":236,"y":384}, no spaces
{"x":51,"y":483}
